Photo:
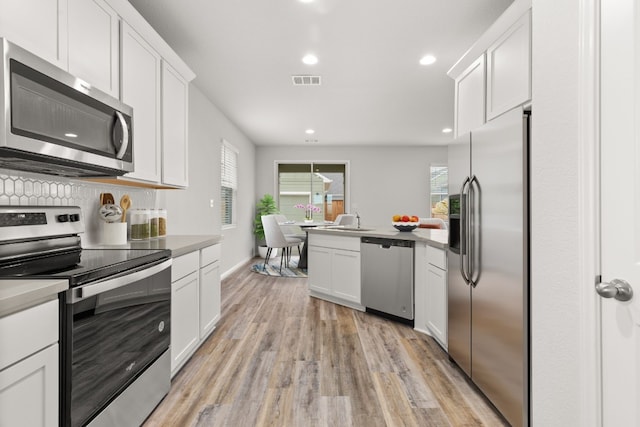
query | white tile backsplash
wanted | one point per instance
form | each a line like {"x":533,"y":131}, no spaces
{"x":22,"y":189}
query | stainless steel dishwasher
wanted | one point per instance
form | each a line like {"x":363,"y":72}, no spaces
{"x":387,"y":277}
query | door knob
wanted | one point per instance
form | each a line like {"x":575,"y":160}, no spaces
{"x":617,"y":288}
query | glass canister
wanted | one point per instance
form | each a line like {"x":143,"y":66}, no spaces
{"x":162,"y":222}
{"x":139,"y":224}
{"x":153,"y":222}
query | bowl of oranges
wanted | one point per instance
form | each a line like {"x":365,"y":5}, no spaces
{"x":405,"y":222}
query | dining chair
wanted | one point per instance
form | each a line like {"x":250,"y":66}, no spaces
{"x":345,"y":219}
{"x":289,"y":230}
{"x":276,"y":239}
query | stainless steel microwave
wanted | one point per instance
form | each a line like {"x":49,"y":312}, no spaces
{"x":57,"y":124}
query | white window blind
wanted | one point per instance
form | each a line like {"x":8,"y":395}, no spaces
{"x":228,"y":182}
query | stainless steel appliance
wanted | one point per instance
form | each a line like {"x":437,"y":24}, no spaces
{"x":387,"y":277}
{"x":115,"y":316}
{"x":55,"y":123}
{"x":488,"y":278}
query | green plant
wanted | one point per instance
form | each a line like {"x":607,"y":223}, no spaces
{"x":266,"y":206}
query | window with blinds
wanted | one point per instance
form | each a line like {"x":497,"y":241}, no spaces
{"x":228,"y":183}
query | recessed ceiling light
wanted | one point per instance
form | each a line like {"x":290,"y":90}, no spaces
{"x":447,"y":130}
{"x":310,"y":59}
{"x":71,"y":135}
{"x":427,"y":60}
{"x":305,"y":1}
{"x":309,"y":131}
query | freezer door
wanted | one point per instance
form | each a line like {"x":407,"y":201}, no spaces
{"x":458,"y":291}
{"x":500,"y":264}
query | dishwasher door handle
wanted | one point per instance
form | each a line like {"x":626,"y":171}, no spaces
{"x":384,"y":246}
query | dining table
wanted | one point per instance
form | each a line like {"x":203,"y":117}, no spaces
{"x":302,"y":262}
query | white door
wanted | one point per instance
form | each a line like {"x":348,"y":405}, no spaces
{"x":620,"y":209}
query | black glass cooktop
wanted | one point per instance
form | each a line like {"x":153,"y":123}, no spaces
{"x":86,"y":265}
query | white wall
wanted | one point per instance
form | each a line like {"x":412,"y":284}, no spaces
{"x":189,"y":210}
{"x":555,"y":295}
{"x":384,"y":180}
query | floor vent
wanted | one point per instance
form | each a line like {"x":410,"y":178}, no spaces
{"x":306,"y":80}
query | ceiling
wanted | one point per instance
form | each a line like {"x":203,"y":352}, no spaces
{"x":373,"y":90}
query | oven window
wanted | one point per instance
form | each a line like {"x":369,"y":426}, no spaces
{"x":114,"y":337}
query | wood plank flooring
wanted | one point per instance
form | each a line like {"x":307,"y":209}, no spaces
{"x":282,"y":358}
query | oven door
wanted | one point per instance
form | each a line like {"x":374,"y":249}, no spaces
{"x":113,"y":330}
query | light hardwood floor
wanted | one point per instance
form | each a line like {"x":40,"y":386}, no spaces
{"x":282,"y":358}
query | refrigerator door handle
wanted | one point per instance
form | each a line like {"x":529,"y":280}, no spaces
{"x":464,"y":232}
{"x":474,"y":241}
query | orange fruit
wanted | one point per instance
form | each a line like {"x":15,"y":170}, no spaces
{"x":415,"y":219}
{"x":396,"y":218}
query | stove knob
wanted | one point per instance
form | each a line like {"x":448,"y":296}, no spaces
{"x":63,"y":218}
{"x":74,"y":217}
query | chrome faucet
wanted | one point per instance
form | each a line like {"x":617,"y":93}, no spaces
{"x":358,"y":218}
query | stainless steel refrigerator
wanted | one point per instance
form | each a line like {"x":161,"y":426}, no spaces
{"x":488,"y":278}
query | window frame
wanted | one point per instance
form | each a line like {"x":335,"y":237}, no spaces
{"x":225,"y":147}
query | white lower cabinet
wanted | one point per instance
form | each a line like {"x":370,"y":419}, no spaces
{"x":334,"y":268}
{"x":436,"y":294}
{"x":29,"y":367}
{"x":195,"y":302}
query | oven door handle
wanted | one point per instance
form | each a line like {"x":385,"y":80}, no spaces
{"x":118,"y":282}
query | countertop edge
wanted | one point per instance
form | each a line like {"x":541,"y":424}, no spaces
{"x":432,"y":237}
{"x":23,"y":293}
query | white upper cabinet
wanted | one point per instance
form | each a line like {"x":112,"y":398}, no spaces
{"x":470,"y":97}
{"x":175,"y":161}
{"x":494,"y":75}
{"x":509,"y":69}
{"x":141,"y":90}
{"x":93,"y":44}
{"x":38,"y":26}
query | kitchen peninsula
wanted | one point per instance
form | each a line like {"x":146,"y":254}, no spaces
{"x":335,"y":271}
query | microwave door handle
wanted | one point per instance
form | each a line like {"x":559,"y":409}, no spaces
{"x":125,"y":136}
{"x":118,"y":282}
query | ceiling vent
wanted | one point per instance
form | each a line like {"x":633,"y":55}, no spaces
{"x":306,"y":80}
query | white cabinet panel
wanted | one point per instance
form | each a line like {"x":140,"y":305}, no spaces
{"x":93,"y":44}
{"x":436,"y":303}
{"x":175,"y":161}
{"x":38,"y":26}
{"x":141,"y":90}
{"x":346,"y":275}
{"x":470,"y":97}
{"x":509,"y":69}
{"x":209,"y":298}
{"x":184,"y":319}
{"x":29,"y":391}
{"x":319,"y":269}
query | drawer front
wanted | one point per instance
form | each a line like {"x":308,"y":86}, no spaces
{"x":209,"y":255}
{"x":184,"y":265}
{"x":28,"y":331}
{"x":437,"y":257}
{"x":335,"y":242}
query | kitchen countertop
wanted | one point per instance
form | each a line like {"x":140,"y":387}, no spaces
{"x":434,"y":237}
{"x":177,"y":244}
{"x":22,"y":293}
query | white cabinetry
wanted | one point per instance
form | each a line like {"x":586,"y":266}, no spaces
{"x":141,"y":90}
{"x":509,"y":69}
{"x":195,"y":302}
{"x":29,"y":367}
{"x":334,"y":268}
{"x":175,"y":161}
{"x":494,"y":75}
{"x":209,"y":289}
{"x":436,"y":294}
{"x":470,"y":97}
{"x":185,"y":329}
{"x":93,"y":44}
{"x":38,"y":26}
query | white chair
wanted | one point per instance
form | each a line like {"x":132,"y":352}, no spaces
{"x":276,"y":239}
{"x":290,"y":230}
{"x":345,"y":219}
